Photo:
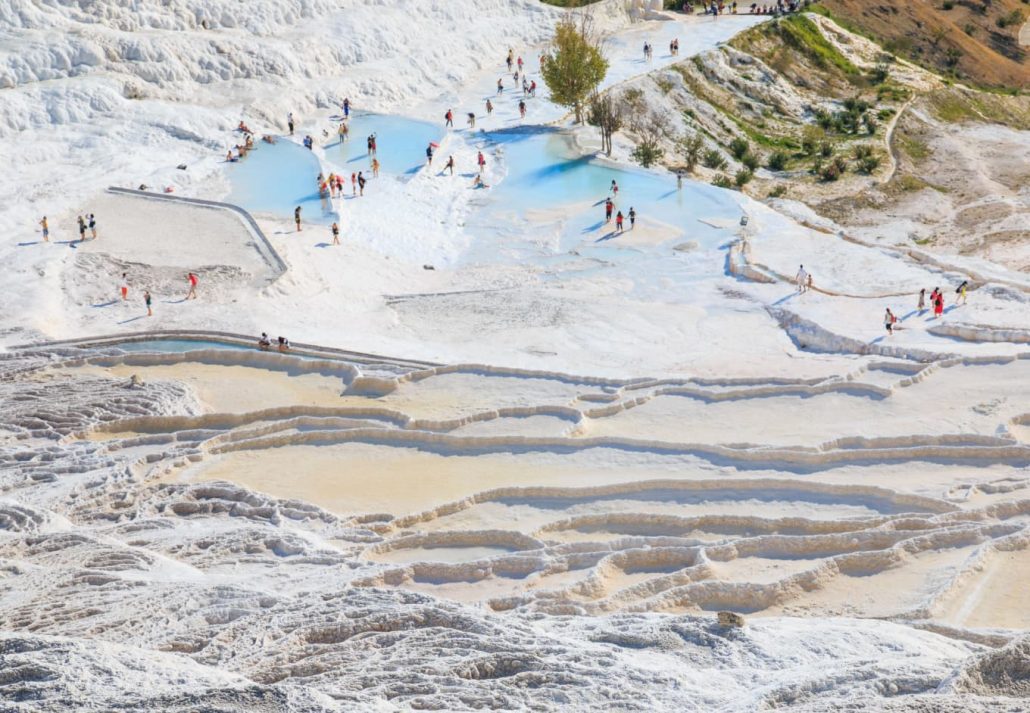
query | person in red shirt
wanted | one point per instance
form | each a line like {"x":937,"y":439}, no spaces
{"x":192,"y":294}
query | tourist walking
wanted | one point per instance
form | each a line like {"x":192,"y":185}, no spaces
{"x":802,"y":279}
{"x":124,"y":287}
{"x":289,"y":122}
{"x":46,"y":229}
{"x":922,"y":301}
{"x":192,"y":278}
{"x":149,"y":303}
{"x":632,"y":217}
{"x":449,"y":116}
{"x":82,"y":229}
{"x":336,"y":234}
{"x":296,"y":217}
{"x":618,"y":222}
{"x":889,"y":320}
{"x":609,"y":207}
{"x":93,"y":225}
{"x":961,"y":292}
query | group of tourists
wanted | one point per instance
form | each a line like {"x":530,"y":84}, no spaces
{"x":265,"y":343}
{"x":609,"y":209}
{"x":148,"y":301}
{"x":935,"y":303}
{"x":528,"y":87}
{"x":718,"y":7}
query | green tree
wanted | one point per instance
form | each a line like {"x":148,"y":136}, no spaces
{"x":650,"y":132}
{"x":606,"y":114}
{"x":691,"y":149}
{"x":574,"y":66}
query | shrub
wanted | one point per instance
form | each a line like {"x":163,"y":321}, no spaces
{"x":891,"y":92}
{"x":948,"y":5}
{"x":722,"y":181}
{"x":841,"y":163}
{"x":742,"y":177}
{"x":778,"y":191}
{"x":750,"y":161}
{"x":869,"y":164}
{"x":1013,"y":18}
{"x":880,"y":74}
{"x":647,"y":154}
{"x":826,"y":149}
{"x":713,"y":159}
{"x":777,"y":160}
{"x":830,"y":172}
{"x":856,"y":105}
{"x":810,"y":140}
{"x":739,"y":147}
{"x":861,"y":151}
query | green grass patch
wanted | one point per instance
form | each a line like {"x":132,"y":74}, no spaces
{"x":850,"y":27}
{"x":951,"y":107}
{"x":909,"y":183}
{"x":803,"y":35}
{"x":913,"y":147}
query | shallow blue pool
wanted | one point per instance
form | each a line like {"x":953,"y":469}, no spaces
{"x":179,"y":346}
{"x":548,"y":182}
{"x":400,"y":144}
{"x":276,"y":178}
{"x":165,"y":346}
{"x":545,"y":173}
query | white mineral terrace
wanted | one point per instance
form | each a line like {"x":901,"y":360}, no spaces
{"x":514,"y":460}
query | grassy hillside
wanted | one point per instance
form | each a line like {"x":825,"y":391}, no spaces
{"x":975,"y":41}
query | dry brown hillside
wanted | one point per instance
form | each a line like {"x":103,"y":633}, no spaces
{"x":973,"y":40}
